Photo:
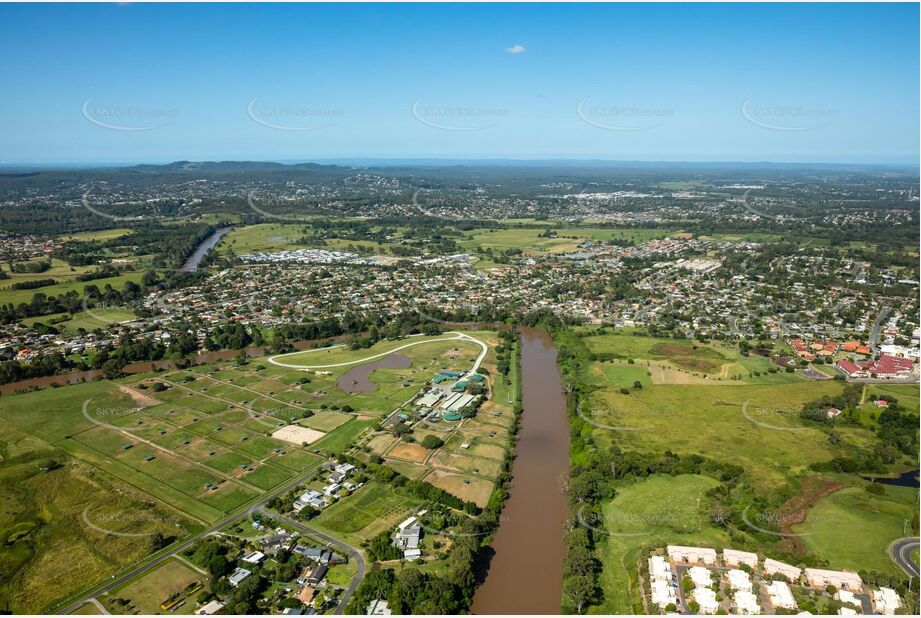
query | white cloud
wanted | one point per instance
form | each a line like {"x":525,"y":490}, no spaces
{"x":516,"y":49}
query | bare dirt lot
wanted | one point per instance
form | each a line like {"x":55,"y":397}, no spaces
{"x":145,"y":401}
{"x":409,"y":452}
{"x":295,"y":434}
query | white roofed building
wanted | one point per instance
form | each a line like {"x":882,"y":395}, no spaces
{"x":700,"y":576}
{"x":662,"y":582}
{"x":821,"y":578}
{"x":739,"y":580}
{"x":776,"y":567}
{"x":746,"y":603}
{"x":846,"y":596}
{"x":663,"y":594}
{"x":679,"y":553}
{"x":734,"y":558}
{"x":886,"y":601}
{"x":780,"y":595}
{"x":706,"y":599}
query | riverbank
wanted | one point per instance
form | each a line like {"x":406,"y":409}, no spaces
{"x":191,"y":264}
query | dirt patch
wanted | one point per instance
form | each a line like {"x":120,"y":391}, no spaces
{"x":144,"y":401}
{"x":793,"y":511}
{"x":295,"y":434}
{"x":666,"y":374}
{"x":381,"y":443}
{"x":409,"y":452}
{"x":475,"y":489}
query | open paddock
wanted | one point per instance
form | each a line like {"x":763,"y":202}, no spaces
{"x":145,"y":594}
{"x":465,"y":487}
{"x":467,"y":464}
{"x":409,"y":452}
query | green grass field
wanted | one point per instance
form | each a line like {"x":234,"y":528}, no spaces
{"x":73,"y":511}
{"x":752,"y":422}
{"x":87,"y":320}
{"x":531,"y":242}
{"x":646,"y":515}
{"x":144,"y":594}
{"x":66,"y":284}
{"x":192,"y":453}
{"x":852,"y":528}
{"x":365,"y":514}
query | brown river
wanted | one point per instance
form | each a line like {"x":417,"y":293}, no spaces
{"x":525,"y":575}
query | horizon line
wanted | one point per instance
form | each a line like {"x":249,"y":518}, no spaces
{"x":423,"y":160}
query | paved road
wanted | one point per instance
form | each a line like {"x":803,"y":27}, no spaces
{"x":900,"y":552}
{"x":877,"y":325}
{"x":118,"y":580}
{"x":354,"y":553}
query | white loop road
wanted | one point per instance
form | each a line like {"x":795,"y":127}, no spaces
{"x":457,"y":337}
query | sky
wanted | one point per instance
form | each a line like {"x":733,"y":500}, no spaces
{"x":133,"y":83}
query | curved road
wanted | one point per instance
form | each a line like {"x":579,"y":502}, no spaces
{"x":354,"y":553}
{"x":900,"y":552}
{"x":458,"y":336}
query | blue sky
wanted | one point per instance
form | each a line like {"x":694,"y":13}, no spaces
{"x":153,"y":83}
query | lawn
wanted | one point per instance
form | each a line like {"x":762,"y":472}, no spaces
{"x":87,"y":320}
{"x":97,"y":235}
{"x":145,"y":594}
{"x":654,"y":512}
{"x":852,"y":528}
{"x":372,"y":509}
{"x":342,"y":437}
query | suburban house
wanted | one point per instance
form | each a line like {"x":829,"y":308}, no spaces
{"x":211,"y":608}
{"x":317,"y":574}
{"x":237,"y":577}
{"x":408,"y":537}
{"x":310,"y":498}
{"x":255,"y":557}
{"x":378,"y":607}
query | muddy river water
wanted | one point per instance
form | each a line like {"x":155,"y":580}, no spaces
{"x":525,"y":574}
